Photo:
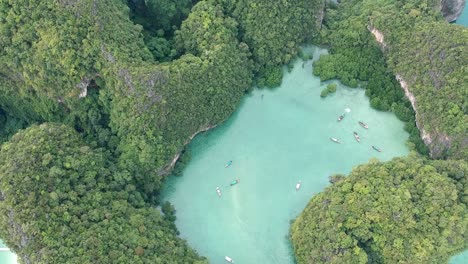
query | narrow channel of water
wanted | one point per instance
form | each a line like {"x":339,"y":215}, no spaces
{"x":275,"y":139}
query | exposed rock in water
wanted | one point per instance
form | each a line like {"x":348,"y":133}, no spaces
{"x":451,"y":9}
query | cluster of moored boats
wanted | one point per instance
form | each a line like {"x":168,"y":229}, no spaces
{"x":299,"y":183}
{"x":355,"y":134}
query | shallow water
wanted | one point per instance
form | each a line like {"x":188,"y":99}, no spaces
{"x":6,"y":257}
{"x":276,"y":138}
{"x":463,"y":19}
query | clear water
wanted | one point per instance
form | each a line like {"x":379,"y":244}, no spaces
{"x":6,"y":257}
{"x":250,"y":221}
{"x":463,"y":19}
{"x":276,"y":138}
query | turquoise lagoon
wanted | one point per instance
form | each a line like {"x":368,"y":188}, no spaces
{"x":275,"y":139}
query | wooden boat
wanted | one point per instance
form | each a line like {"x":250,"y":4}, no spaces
{"x":298,"y":185}
{"x":335,"y":140}
{"x":228,"y":259}
{"x":229,"y":163}
{"x":356,"y":136}
{"x":234,"y":182}
{"x":376,"y":148}
{"x":363,"y":125}
{"x":218,"y":191}
{"x":340,"y":118}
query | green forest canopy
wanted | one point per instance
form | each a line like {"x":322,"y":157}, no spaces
{"x":136,"y":88}
{"x":62,"y":202}
{"x":126,"y":92}
{"x":420,"y":46}
{"x":408,"y":210}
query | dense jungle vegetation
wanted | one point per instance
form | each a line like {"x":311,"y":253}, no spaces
{"x":62,"y":202}
{"x":408,"y":210}
{"x":98,"y":97}
{"x":119,"y":87}
{"x":421,"y":47}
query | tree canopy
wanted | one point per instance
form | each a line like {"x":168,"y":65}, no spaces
{"x":408,"y":210}
{"x":136,"y":79}
{"x":62,"y":202}
{"x":122,"y":86}
{"x":419,"y":47}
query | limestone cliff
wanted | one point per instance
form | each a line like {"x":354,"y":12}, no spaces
{"x":451,"y":9}
{"x":379,"y":37}
{"x":434,"y":90}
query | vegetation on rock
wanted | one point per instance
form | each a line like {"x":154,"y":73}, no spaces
{"x":62,"y":202}
{"x":331,"y":88}
{"x":137,"y":79}
{"x":420,"y":47}
{"x":407,"y":210}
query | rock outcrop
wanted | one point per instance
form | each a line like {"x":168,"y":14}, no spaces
{"x":435,"y":99}
{"x":451,"y":9}
{"x":425,"y":136}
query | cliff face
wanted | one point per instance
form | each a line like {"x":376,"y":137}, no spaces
{"x":436,"y":136}
{"x":379,"y":37}
{"x":451,"y":9}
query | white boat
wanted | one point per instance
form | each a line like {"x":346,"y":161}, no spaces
{"x":228,"y":259}
{"x":335,"y":140}
{"x":363,"y":125}
{"x":218,"y":191}
{"x":356,"y":136}
{"x":298,"y":185}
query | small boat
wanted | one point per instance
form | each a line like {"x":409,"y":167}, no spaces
{"x":363,"y":125}
{"x":218,"y":191}
{"x":376,"y":148}
{"x":335,"y":140}
{"x":234,"y":182}
{"x":228,"y":259}
{"x":341,"y":117}
{"x":356,"y":136}
{"x":229,"y":163}
{"x":298,"y":185}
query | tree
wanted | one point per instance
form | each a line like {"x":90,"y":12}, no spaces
{"x":407,"y":210}
{"x":60,"y":204}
